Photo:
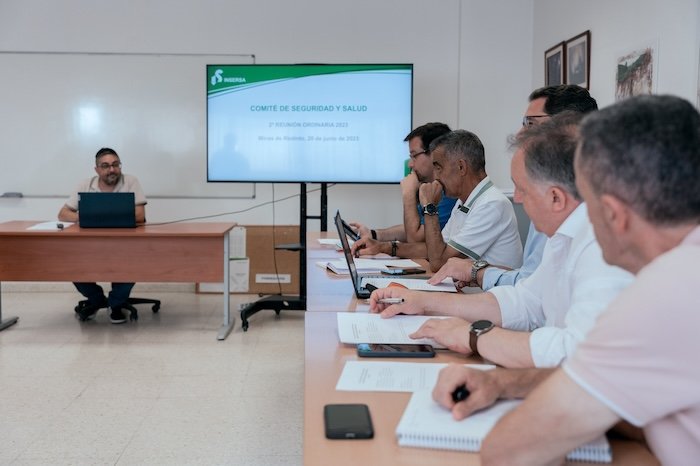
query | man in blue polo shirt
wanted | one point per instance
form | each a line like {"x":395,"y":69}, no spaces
{"x":421,"y":164}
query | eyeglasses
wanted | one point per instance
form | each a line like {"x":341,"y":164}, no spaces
{"x":416,"y":154}
{"x":529,"y":120}
{"x":107,"y":166}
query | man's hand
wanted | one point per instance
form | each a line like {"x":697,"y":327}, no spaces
{"x":430,"y":193}
{"x":410,"y":185}
{"x":367,"y":247}
{"x":452,"y":333}
{"x":483,"y":387}
{"x":362,"y":230}
{"x":413,"y":301}
{"x":460,"y":270}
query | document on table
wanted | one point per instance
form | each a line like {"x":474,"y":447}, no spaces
{"x":358,"y":327}
{"x":50,"y":226}
{"x":363,"y":265}
{"x":385,"y":376}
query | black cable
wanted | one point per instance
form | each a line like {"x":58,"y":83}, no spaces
{"x":273,"y":201}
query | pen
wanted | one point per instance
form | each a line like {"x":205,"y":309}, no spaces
{"x":460,"y":394}
{"x":390,"y":301}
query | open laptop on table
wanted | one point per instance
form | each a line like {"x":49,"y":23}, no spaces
{"x":363,"y":289}
{"x":362,"y":292}
{"x":106,"y":210}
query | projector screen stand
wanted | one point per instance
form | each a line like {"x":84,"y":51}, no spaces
{"x":280,"y":303}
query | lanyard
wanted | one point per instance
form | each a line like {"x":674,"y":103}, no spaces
{"x":483,"y":189}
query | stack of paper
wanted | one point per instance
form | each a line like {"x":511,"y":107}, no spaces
{"x":365,"y":266}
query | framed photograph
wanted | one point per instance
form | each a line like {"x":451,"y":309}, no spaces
{"x":636,"y":71}
{"x":554,"y":65}
{"x":578,"y":59}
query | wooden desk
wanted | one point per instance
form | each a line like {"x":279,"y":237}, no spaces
{"x":324,"y":361}
{"x":179,"y":252}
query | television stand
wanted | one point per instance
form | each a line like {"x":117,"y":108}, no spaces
{"x":280,"y":303}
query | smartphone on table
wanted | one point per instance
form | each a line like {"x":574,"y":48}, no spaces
{"x":347,"y":421}
{"x":385,"y":350}
{"x":350,"y":232}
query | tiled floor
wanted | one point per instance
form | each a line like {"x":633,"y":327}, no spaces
{"x":159,"y":391}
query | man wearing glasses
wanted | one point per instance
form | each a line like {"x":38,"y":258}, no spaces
{"x":544,"y":103}
{"x":109,"y":179}
{"x":421,"y":165}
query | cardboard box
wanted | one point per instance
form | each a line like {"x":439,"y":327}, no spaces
{"x":267,"y":270}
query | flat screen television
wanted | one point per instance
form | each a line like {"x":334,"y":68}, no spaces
{"x":308,"y":123}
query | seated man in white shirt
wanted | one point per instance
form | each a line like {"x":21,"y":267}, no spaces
{"x":637,"y":167}
{"x":421,"y":166}
{"x":543,"y":104}
{"x":109,"y":178}
{"x":482,"y":223}
{"x":540,"y":320}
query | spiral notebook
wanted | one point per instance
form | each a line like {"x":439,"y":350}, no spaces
{"x":428,"y":425}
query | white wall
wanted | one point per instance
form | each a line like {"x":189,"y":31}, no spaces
{"x":475,"y":63}
{"x":432,"y":35}
{"x":618,"y":27}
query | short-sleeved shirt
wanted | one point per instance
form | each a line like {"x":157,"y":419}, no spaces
{"x":487,"y":229}
{"x":126,"y":184}
{"x":560,"y":302}
{"x":640,"y":360}
{"x":444,"y":209}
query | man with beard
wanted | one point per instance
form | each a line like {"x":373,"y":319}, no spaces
{"x":109,"y":179}
{"x":421,"y":165}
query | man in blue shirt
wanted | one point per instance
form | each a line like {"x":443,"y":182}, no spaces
{"x":544,"y":103}
{"x":421,"y":164}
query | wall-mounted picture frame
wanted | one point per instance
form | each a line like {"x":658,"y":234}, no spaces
{"x":636,"y":72}
{"x":578,"y":60}
{"x":554,"y":65}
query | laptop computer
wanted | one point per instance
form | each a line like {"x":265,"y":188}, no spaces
{"x":106,"y":210}
{"x":361,"y":291}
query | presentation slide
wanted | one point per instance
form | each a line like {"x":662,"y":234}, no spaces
{"x":308,"y":123}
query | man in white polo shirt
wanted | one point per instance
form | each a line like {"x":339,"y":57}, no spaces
{"x":540,"y":320}
{"x":482,"y":224}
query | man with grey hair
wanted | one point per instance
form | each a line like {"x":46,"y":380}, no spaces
{"x":482,"y":223}
{"x":637,"y":167}
{"x":540,"y":320}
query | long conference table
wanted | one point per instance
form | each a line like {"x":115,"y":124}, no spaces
{"x":178,"y":252}
{"x":325,"y":358}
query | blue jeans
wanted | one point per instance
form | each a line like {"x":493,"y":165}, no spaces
{"x":95,"y":294}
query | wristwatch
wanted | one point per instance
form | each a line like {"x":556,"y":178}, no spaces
{"x":430,"y":209}
{"x":476,"y":266}
{"x":477,"y":329}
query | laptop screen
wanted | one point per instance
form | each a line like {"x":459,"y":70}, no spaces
{"x":106,"y":210}
{"x":346,"y":250}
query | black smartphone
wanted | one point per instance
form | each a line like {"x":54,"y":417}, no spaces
{"x":350,"y":232}
{"x":402,"y":271}
{"x":383,"y":350}
{"x":347,"y":421}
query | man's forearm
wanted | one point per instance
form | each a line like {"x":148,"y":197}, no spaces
{"x":506,"y":348}
{"x":411,"y":220}
{"x":435,"y":245}
{"x":518,"y":383}
{"x":392,"y":233}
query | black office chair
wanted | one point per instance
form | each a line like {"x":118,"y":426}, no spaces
{"x":129,"y":306}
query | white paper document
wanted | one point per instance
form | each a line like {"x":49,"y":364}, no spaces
{"x":385,"y":376}
{"x":363,"y":265}
{"x":355,"y":327}
{"x":50,"y":226}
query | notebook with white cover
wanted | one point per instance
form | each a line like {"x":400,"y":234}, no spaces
{"x":426,"y":424}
